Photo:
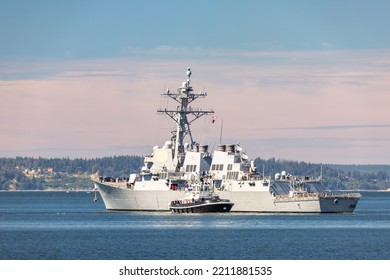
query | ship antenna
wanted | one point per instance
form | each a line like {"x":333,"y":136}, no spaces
{"x":220,"y":133}
{"x":184,"y":96}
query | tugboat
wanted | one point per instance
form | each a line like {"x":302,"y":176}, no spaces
{"x":200,"y":200}
{"x":201,"y":204}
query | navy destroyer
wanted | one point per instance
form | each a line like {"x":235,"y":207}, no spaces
{"x":170,"y":171}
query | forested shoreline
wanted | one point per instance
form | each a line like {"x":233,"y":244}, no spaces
{"x":27,"y":173}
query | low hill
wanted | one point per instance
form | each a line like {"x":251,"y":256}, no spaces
{"x":26,"y":173}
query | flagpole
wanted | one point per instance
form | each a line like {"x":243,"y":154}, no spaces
{"x":220,"y":134}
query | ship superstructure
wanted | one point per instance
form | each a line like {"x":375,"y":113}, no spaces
{"x":170,"y":168}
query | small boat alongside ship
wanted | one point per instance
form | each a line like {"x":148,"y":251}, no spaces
{"x":170,"y":169}
{"x":201,"y":204}
{"x":201,"y":200}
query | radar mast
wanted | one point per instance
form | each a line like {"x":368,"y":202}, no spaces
{"x":183,"y":115}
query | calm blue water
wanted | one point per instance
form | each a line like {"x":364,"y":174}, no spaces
{"x":62,"y":226}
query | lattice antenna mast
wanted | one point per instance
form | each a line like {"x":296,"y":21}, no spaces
{"x":184,"y":114}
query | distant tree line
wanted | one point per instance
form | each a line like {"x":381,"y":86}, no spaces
{"x":115,"y":166}
{"x":335,"y":177}
{"x":26,"y":173}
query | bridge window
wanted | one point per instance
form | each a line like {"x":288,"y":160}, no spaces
{"x":191,"y":168}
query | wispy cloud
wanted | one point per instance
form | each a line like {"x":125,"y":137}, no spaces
{"x":329,"y":127}
{"x":290,"y":102}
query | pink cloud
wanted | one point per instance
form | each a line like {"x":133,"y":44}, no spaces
{"x":106,"y":107}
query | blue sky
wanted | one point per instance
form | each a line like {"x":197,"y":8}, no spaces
{"x":90,"y":29}
{"x":312,"y":76}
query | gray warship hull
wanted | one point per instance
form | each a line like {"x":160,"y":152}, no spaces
{"x":121,"y":198}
